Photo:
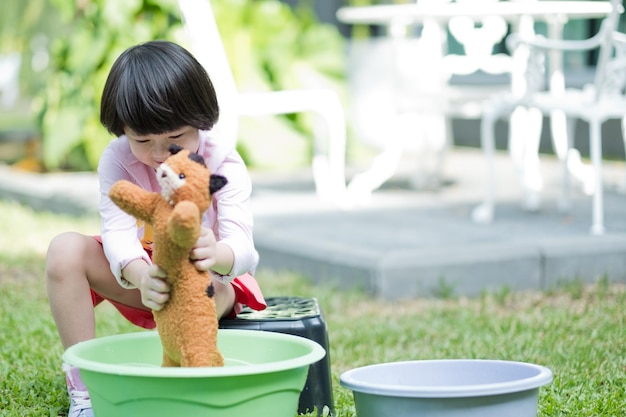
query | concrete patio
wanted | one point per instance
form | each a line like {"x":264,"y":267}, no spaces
{"x":407,"y":243}
{"x":410,"y":243}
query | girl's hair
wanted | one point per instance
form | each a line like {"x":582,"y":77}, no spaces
{"x":155,"y":88}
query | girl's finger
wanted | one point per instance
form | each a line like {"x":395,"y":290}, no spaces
{"x":153,"y":306}
{"x":157,"y":285}
{"x":156,"y":272}
{"x":203,"y":265}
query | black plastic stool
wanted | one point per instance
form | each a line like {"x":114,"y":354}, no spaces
{"x":300,"y":317}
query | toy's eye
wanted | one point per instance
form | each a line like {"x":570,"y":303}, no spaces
{"x":181,"y":176}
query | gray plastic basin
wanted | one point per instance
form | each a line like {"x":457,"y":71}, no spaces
{"x":447,"y":388}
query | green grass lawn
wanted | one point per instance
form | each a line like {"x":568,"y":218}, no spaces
{"x":578,"y":331}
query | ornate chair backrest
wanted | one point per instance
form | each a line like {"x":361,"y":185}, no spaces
{"x":534,"y":62}
{"x":613,"y":81}
{"x":605,"y":69}
{"x":478,"y":37}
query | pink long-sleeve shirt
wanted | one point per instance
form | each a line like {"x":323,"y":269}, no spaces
{"x":229,"y":216}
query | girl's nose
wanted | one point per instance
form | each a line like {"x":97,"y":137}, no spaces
{"x":160,"y":152}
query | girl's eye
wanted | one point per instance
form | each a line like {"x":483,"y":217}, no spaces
{"x":142,"y":140}
{"x":176,"y":136}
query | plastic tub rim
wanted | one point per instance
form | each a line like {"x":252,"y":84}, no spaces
{"x":350,"y":380}
{"x":316,"y":353}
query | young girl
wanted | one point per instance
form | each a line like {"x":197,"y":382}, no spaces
{"x":156,"y":94}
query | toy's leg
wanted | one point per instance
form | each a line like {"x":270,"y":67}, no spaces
{"x":218,"y":359}
{"x":168,"y":362}
{"x":200,"y":347}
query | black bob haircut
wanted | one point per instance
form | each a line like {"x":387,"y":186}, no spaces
{"x":157,"y":87}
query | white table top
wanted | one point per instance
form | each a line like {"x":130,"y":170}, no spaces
{"x":546,"y":10}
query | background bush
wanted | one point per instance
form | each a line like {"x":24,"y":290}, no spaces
{"x":270,"y":46}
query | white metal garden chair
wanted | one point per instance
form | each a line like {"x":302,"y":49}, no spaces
{"x":329,"y":157}
{"x":9,"y":79}
{"x":594,"y":103}
{"x":414,"y":110}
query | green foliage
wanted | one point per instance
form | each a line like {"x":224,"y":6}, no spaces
{"x":31,"y":380}
{"x":22,"y":28}
{"x":579,"y":335}
{"x":271,"y":47}
{"x":579,"y":339}
{"x":94,"y":33}
{"x":34,"y":230}
{"x":444,"y":289}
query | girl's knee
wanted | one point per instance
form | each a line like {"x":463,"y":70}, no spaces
{"x":66,"y":251}
{"x":224,"y":298}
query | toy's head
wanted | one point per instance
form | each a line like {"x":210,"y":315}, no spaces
{"x":184,"y":176}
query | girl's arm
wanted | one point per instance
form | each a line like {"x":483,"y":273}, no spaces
{"x":150,"y":280}
{"x":119,"y":230}
{"x":208,"y":254}
{"x":230,"y":221}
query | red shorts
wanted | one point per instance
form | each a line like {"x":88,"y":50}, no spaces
{"x":247,"y":292}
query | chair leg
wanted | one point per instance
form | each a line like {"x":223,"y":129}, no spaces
{"x":526,"y":124}
{"x":575,"y":166}
{"x":360,"y":188}
{"x":623,"y":185}
{"x":597,"y":225}
{"x":329,"y":168}
{"x":565,"y":155}
{"x":437,"y":131}
{"x":484,"y":213}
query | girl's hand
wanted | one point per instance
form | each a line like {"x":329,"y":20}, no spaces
{"x":204,"y":254}
{"x":155,"y":291}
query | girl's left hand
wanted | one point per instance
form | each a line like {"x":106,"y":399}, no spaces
{"x":204,"y":254}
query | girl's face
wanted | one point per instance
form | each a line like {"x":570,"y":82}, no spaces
{"x":152,"y":150}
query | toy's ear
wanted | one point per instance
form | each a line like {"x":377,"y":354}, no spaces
{"x":216,"y":183}
{"x":197,"y":158}
{"x":174,"y":149}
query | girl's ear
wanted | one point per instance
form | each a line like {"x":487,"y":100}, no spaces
{"x":216,"y":183}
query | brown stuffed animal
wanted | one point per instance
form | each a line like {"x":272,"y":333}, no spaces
{"x":188,"y":323}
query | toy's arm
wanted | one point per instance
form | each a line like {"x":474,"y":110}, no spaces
{"x":134,"y":200}
{"x":183,"y":226}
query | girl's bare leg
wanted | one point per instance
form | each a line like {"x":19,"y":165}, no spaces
{"x":75,"y":263}
{"x":224,"y":298}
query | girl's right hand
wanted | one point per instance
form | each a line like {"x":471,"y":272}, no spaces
{"x":155,"y":291}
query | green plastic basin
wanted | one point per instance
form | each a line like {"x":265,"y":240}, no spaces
{"x":263,"y":375}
